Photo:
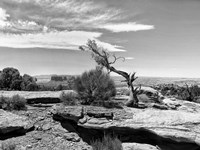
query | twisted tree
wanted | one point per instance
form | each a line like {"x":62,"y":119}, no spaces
{"x":106,"y":60}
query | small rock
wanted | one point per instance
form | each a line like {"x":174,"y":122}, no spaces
{"x":37,"y":135}
{"x":72,"y":137}
{"x":83,"y":120}
{"x":46,"y":127}
{"x":29,"y":146}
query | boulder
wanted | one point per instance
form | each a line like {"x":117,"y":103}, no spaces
{"x":73,"y":113}
{"x":10,"y":123}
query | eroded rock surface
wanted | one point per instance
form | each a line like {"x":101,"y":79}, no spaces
{"x":176,"y":127}
{"x":47,"y":134}
{"x":168,"y":129}
{"x":10,"y":123}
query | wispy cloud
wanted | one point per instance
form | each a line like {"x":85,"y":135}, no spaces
{"x":55,"y":23}
{"x":129,"y":58}
{"x":126,"y":27}
{"x":57,"y":14}
{"x":56,"y":40}
{"x":3,"y":18}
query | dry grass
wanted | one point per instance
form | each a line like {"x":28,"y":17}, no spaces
{"x":69,"y":98}
{"x":107,"y":143}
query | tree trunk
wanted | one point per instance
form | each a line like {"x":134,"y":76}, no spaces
{"x":133,"y":100}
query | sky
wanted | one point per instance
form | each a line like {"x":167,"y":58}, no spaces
{"x":158,"y":38}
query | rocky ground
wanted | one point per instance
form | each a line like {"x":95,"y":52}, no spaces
{"x":168,"y":125}
{"x":35,"y":129}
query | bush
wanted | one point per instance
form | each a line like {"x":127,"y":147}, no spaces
{"x":107,"y":143}
{"x":3,"y":102}
{"x":95,"y":86}
{"x":69,"y":98}
{"x":16,"y":102}
{"x":189,"y":93}
{"x":59,"y":87}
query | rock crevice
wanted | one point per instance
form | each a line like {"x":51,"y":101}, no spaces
{"x":95,"y":122}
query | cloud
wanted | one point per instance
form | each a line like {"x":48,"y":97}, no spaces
{"x":66,"y":15}
{"x":56,"y":40}
{"x":129,"y":58}
{"x":3,"y":18}
{"x":58,"y":14}
{"x":126,"y":27}
{"x":60,"y":23}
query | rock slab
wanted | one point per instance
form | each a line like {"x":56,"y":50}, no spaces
{"x":10,"y":122}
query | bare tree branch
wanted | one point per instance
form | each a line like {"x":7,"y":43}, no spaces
{"x":116,"y":58}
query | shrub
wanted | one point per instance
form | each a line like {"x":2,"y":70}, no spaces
{"x":8,"y":146}
{"x":189,"y":93}
{"x":59,"y":87}
{"x":107,"y":143}
{"x":3,"y":102}
{"x":95,"y":86}
{"x":69,"y":98}
{"x":32,"y":87}
{"x":16,"y":102}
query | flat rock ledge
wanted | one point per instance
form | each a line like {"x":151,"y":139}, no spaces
{"x":35,"y":97}
{"x":174,"y":126}
{"x":10,"y":122}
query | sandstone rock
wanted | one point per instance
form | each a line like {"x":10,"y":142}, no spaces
{"x":98,"y":112}
{"x":72,"y":137}
{"x":83,"y":120}
{"x":53,"y":135}
{"x":153,"y":124}
{"x":46,"y":127}
{"x":181,"y":126}
{"x":10,"y":122}
{"x":159,"y":106}
{"x":98,"y":121}
{"x":69,"y":112}
{"x":137,"y":146}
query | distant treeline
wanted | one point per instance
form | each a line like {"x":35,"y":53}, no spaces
{"x":62,"y":77}
{"x":10,"y":79}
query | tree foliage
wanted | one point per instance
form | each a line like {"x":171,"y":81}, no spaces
{"x":28,"y":83}
{"x":10,"y":79}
